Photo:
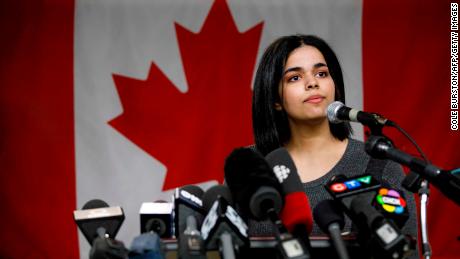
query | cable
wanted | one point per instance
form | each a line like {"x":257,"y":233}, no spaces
{"x":395,"y":125}
{"x":424,"y":192}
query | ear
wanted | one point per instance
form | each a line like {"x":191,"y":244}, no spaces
{"x":278,"y":106}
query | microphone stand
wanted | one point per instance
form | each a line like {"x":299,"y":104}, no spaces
{"x":228,"y":251}
{"x":424,"y":192}
{"x":415,"y":184}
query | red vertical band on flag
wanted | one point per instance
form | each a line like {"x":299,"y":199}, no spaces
{"x":38,"y":192}
{"x":406,"y":64}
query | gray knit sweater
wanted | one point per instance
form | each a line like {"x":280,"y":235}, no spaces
{"x":353,"y":163}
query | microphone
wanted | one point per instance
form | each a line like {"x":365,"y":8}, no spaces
{"x":446,"y":181}
{"x":381,"y":235}
{"x":189,"y":215}
{"x":97,"y":214}
{"x":337,"y":112}
{"x":330,"y":219}
{"x":100,"y":223}
{"x":257,"y":190}
{"x":246,"y":172}
{"x":296,"y":209}
{"x":187,"y":201}
{"x":223,"y":228}
{"x":392,"y":204}
{"x":157,"y":217}
{"x":296,"y":214}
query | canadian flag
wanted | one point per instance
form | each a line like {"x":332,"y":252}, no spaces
{"x":126,"y":100}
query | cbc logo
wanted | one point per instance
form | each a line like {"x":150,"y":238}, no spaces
{"x":391,"y":201}
{"x":281,"y":172}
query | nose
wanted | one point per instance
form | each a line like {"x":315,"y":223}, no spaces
{"x":311,"y":83}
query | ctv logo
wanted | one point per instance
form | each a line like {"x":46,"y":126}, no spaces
{"x":391,"y":201}
{"x":351,"y":184}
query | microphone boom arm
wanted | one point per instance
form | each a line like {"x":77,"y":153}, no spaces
{"x":445,"y":181}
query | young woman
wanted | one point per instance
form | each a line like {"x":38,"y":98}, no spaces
{"x":297,"y":78}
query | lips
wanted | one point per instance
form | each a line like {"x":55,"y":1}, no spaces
{"x":314,"y":99}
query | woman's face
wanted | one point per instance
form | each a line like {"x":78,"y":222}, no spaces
{"x":306,"y":87}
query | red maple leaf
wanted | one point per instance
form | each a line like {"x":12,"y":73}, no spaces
{"x":191,"y":133}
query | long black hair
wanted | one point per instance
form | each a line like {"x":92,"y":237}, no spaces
{"x":271,"y":127}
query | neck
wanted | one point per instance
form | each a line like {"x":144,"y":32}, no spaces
{"x":307,"y":138}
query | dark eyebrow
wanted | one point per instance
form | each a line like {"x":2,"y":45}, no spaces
{"x":317,"y":65}
{"x":292,"y":69}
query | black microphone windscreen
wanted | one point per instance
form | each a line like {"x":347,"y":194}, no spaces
{"x":95,"y":204}
{"x":242,"y":163}
{"x":285,"y":170}
{"x":193,"y":189}
{"x":246,"y":171}
{"x":361,"y":206}
{"x":213,"y":193}
{"x":326,"y":213}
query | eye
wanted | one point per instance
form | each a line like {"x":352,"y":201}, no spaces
{"x":322,"y":74}
{"x":293,"y":78}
